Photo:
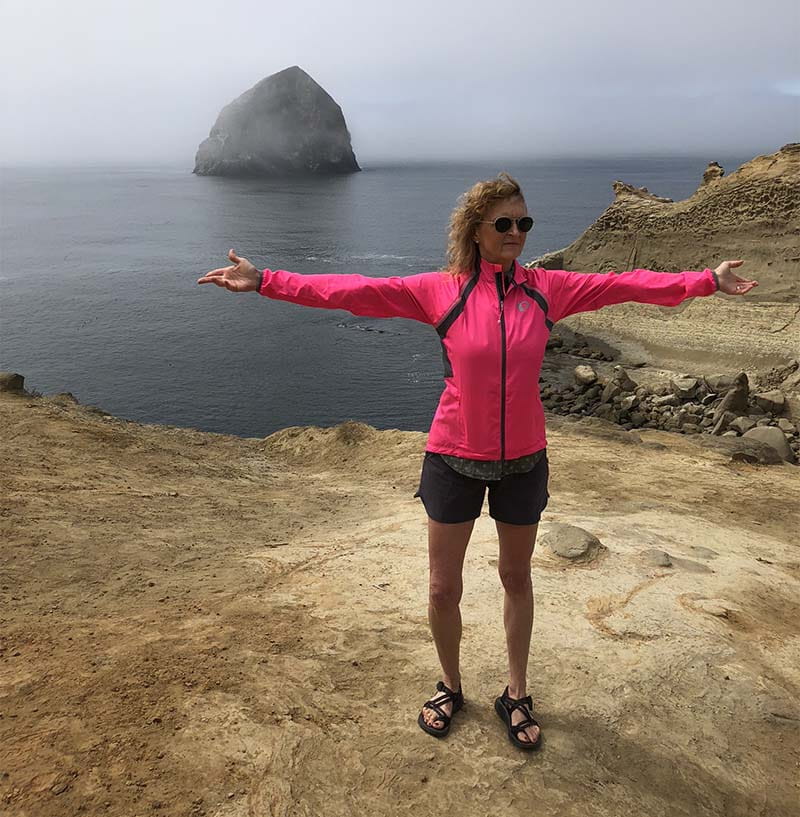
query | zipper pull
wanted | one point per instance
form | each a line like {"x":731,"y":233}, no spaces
{"x":502,"y":304}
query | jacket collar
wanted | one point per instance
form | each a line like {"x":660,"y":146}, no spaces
{"x":489,"y":270}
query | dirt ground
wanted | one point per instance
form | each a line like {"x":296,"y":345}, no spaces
{"x":198,"y":624}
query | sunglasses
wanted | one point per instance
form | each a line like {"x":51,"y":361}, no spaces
{"x":503,"y":224}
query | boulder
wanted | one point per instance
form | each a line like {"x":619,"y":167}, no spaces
{"x":741,"y":424}
{"x":666,"y":400}
{"x":772,"y":402}
{"x":741,"y":449}
{"x":623,"y":379}
{"x":684,"y":387}
{"x":773,"y":437}
{"x":610,"y":391}
{"x":719,"y":383}
{"x":572,"y":543}
{"x":787,"y":426}
{"x":284,"y":125}
{"x":735,"y":400}
{"x":585,"y":375}
{"x":10,"y":381}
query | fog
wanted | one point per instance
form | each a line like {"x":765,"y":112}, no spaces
{"x":142,"y":82}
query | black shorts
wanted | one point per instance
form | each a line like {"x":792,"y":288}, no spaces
{"x":450,"y":497}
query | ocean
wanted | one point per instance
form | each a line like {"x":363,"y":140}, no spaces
{"x":98,"y":292}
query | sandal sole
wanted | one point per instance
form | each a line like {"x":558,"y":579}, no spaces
{"x":505,"y":716}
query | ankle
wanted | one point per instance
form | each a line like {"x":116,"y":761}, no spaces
{"x":516,"y":691}
{"x":452,"y":682}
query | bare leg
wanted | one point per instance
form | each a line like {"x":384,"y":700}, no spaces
{"x":447,"y":545}
{"x":514,"y":566}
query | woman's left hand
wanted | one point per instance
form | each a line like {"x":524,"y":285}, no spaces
{"x":730,"y":282}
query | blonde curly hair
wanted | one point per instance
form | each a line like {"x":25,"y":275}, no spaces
{"x":462,"y":251}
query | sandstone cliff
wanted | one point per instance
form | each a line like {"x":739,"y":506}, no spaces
{"x":752,"y":214}
{"x":285,"y":124}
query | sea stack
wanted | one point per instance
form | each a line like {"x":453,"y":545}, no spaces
{"x":286,"y":124}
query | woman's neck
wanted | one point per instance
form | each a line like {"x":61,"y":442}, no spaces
{"x":506,"y":266}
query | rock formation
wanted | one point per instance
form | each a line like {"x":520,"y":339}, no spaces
{"x":754,"y":214}
{"x":284,"y":125}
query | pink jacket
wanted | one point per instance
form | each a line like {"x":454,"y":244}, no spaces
{"x":492,"y":334}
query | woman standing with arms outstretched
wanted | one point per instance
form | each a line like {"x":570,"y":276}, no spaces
{"x":493,"y":317}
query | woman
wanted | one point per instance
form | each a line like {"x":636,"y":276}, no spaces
{"x":493,"y":317}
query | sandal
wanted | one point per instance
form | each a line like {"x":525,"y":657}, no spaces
{"x":447,"y":696}
{"x":505,"y":706}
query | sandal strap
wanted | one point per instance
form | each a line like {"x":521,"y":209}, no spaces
{"x":517,"y":703}
{"x":448,"y":696}
{"x":440,"y":701}
{"x":442,"y":687}
{"x":441,"y":715}
{"x":517,"y":727}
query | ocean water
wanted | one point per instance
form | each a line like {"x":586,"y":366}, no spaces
{"x":98,"y":293}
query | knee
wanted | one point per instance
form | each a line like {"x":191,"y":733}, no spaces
{"x":516,"y":581}
{"x":442,"y":595}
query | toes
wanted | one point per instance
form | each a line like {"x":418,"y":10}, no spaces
{"x":431,"y":719}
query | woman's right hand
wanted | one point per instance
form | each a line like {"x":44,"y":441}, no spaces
{"x":241,"y":277}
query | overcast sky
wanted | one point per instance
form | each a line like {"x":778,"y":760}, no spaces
{"x":139,"y":82}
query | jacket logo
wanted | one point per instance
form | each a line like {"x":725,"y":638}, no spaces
{"x":523,"y":305}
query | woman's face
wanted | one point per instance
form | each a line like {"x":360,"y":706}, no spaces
{"x":502,"y":248}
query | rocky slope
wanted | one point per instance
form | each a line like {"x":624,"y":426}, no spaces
{"x":285,"y":124}
{"x":198,"y":624}
{"x":765,"y":409}
{"x":752,"y":214}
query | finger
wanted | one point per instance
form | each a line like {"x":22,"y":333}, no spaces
{"x":207,"y":280}
{"x":232,"y":255}
{"x":735,"y":263}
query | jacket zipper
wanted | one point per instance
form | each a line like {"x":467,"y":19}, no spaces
{"x":502,"y":322}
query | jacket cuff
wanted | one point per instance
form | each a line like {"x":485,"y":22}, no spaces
{"x":701,"y":283}
{"x":261,"y":283}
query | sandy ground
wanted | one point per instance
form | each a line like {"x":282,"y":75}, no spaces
{"x":197,"y":624}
